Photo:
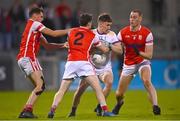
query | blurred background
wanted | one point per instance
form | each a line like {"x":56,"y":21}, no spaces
{"x":161,"y":16}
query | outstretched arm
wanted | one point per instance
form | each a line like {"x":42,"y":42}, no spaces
{"x":52,"y":46}
{"x":55,"y":33}
{"x":116,"y":47}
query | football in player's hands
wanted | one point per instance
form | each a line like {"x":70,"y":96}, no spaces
{"x":98,"y":59}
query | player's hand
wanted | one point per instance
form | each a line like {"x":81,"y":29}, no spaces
{"x":109,"y":45}
{"x":135,"y":49}
{"x":66,"y":45}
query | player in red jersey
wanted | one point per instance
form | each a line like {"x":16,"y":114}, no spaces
{"x":138,"y":50}
{"x":103,"y":70}
{"x":80,"y":40}
{"x":31,"y":40}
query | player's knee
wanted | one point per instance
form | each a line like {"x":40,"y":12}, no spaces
{"x":40,"y":89}
{"x":109,"y":85}
{"x":147,"y":83}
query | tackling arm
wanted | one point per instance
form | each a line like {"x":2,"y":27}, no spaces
{"x":52,"y":46}
{"x":116,"y":47}
{"x":55,"y":33}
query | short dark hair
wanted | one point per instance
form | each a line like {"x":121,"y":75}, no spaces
{"x":137,"y":11}
{"x":105,"y":17}
{"x":35,"y":10}
{"x":84,"y":19}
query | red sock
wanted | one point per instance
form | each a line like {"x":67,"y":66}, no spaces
{"x":53,"y":108}
{"x":104,"y":108}
{"x":28,"y":108}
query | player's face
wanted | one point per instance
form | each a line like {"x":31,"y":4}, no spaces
{"x":135,"y":19}
{"x":105,"y":26}
{"x":39,"y":17}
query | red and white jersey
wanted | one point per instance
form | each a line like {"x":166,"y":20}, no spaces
{"x":30,"y":42}
{"x":80,"y":40}
{"x":140,"y":38}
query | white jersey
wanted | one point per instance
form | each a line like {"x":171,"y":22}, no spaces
{"x":110,"y":37}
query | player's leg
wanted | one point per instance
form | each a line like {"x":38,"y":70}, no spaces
{"x":38,"y":81}
{"x":107,"y":78}
{"x":33,"y":71}
{"x":124,"y":81}
{"x":68,"y":76}
{"x":77,"y":96}
{"x":145,"y":73}
{"x":93,"y":81}
{"x":59,"y":95}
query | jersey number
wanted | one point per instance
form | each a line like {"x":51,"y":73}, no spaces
{"x":78,"y":40}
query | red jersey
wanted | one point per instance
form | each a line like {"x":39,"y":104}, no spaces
{"x":30,"y":42}
{"x":80,"y":40}
{"x":140,"y":38}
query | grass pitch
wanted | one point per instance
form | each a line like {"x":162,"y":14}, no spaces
{"x":136,"y":106}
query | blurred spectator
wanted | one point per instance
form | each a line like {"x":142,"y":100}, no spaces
{"x":76,"y":13}
{"x":5,"y":30}
{"x":63,"y":12}
{"x":157,"y":11}
{"x":48,"y":18}
{"x":18,"y":18}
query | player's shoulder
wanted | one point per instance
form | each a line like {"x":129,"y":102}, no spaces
{"x":35,"y":23}
{"x":111,"y":33}
{"x":125,"y":29}
{"x":82,"y":29}
{"x":145,"y":29}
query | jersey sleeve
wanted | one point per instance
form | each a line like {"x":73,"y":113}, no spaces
{"x":149,"y":39}
{"x":96,"y":41}
{"x":119,"y":37}
{"x":114,"y":39}
{"x":38,"y":26}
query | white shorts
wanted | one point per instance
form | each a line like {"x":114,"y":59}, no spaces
{"x":28,"y":66}
{"x":74,"y":69}
{"x":133,"y":69}
{"x":103,"y":70}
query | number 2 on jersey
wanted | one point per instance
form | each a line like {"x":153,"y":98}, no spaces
{"x":78,"y":40}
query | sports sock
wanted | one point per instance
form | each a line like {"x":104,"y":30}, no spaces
{"x":53,"y":108}
{"x":73,"y":109}
{"x":28,"y":108}
{"x":119,"y":100}
{"x":104,"y":108}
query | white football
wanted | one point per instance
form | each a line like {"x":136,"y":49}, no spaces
{"x":99,"y":59}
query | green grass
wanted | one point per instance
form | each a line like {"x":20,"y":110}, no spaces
{"x":136,"y":107}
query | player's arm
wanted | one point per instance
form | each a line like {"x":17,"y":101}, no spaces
{"x":148,"y":52}
{"x":102,"y":47}
{"x":54,"y":33}
{"x":118,"y":44}
{"x":116,"y":47}
{"x":52,"y":46}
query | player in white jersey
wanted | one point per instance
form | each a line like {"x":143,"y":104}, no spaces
{"x":103,"y":70}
